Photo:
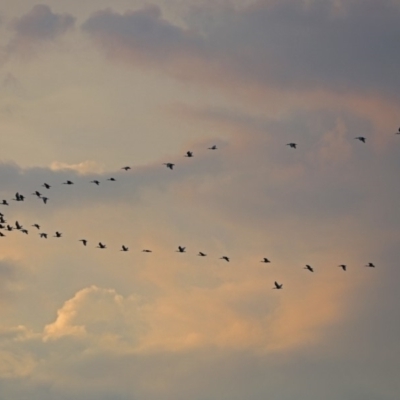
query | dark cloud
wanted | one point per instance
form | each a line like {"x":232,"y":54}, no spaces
{"x":286,"y":44}
{"x":40,"y":23}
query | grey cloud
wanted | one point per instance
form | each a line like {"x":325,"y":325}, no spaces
{"x":287,"y":44}
{"x":41,"y":23}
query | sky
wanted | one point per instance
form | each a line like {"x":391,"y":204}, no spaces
{"x":88,"y":87}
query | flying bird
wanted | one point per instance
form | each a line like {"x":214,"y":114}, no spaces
{"x":309,"y":268}
{"x":84,"y":241}
{"x":370,"y":265}
{"x":360,"y":138}
{"x":398,"y":132}
{"x":169,"y":165}
{"x":111,"y":179}
{"x":18,"y":225}
{"x":292,"y":145}
{"x":201,"y":254}
{"x":24,"y":231}
{"x":277,"y":285}
{"x":58,"y":234}
{"x":189,"y":154}
{"x":45,"y":199}
{"x":96,"y":182}
{"x":343,"y":266}
{"x":46,"y":185}
{"x":2,"y":234}
{"x":43,"y":235}
{"x":101,"y":246}
{"x":68,"y":183}
{"x":146,"y":251}
{"x":36,"y":226}
{"x":126,"y":168}
{"x":4,"y":203}
{"x":213,"y":147}
{"x":181,"y":249}
{"x":9,"y":228}
{"x":19,"y":197}
{"x":36,"y":193}
{"x":265,"y":260}
{"x":124,"y":248}
{"x":225,"y":258}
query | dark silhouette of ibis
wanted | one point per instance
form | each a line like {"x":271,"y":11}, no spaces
{"x":214,"y":147}
{"x":124,"y":248}
{"x":265,"y":260}
{"x":201,"y":254}
{"x":101,"y":246}
{"x":181,"y":249}
{"x":225,"y":258}
{"x":84,"y":241}
{"x":309,"y":268}
{"x":169,"y":165}
{"x":292,"y":145}
{"x":360,"y":138}
{"x":189,"y":154}
{"x":277,"y":285}
{"x":46,"y":185}
{"x":343,"y":266}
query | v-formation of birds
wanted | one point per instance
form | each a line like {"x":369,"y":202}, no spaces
{"x":19,"y":197}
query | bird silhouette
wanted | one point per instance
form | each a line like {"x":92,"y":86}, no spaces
{"x":398,"y":132}
{"x":111,"y":179}
{"x":24,"y":231}
{"x":46,"y":185}
{"x":213,"y":147}
{"x":370,"y":265}
{"x":225,"y":258}
{"x":146,"y":251}
{"x":360,"y":138}
{"x":45,"y":199}
{"x":96,"y":182}
{"x":18,"y":225}
{"x":181,"y":249}
{"x":277,"y":285}
{"x":36,"y":193}
{"x":58,"y":234}
{"x":189,"y":154}
{"x":126,"y":168}
{"x":343,"y":266}
{"x":124,"y":248}
{"x":309,"y":268}
{"x":9,"y":228}
{"x":68,"y":183}
{"x":292,"y":145}
{"x":84,"y":241}
{"x":19,"y":197}
{"x":2,"y":234}
{"x":265,"y":260}
{"x":36,"y":226}
{"x":201,"y":254}
{"x":169,"y":165}
{"x":43,"y":235}
{"x":4,"y":203}
{"x":101,"y":246}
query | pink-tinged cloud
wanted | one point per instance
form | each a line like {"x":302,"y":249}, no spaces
{"x":286,"y":44}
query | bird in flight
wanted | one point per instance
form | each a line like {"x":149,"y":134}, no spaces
{"x":36,"y":226}
{"x":58,"y":234}
{"x":19,"y":197}
{"x":181,"y":249}
{"x":370,"y":265}
{"x":68,"y":183}
{"x":277,"y":285}
{"x":24,"y":231}
{"x":46,"y":185}
{"x":213,"y":147}
{"x":292,"y":145}
{"x":225,"y":258}
{"x":101,"y":246}
{"x":43,"y":235}
{"x":265,"y":260}
{"x":398,"y":132}
{"x":309,"y":268}
{"x":45,"y":199}
{"x":96,"y":182}
{"x":4,"y":203}
{"x":84,"y":241}
{"x":201,"y":254}
{"x":124,"y":248}
{"x":36,"y":193}
{"x":343,"y":266}
{"x":2,"y":234}
{"x":126,"y":168}
{"x":189,"y":154}
{"x":18,"y":225}
{"x":146,"y":251}
{"x":169,"y":165}
{"x":111,"y":179}
{"x":360,"y":138}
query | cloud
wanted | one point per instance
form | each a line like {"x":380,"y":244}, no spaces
{"x":39,"y":25}
{"x":290,"y":45}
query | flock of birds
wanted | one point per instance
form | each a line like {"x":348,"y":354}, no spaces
{"x":181,"y":249}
